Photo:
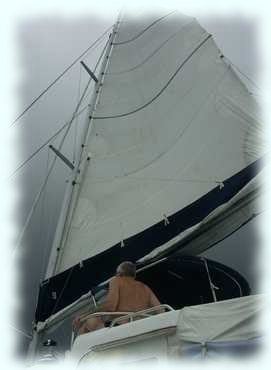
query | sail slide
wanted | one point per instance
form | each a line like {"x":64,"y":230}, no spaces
{"x":175,"y":135}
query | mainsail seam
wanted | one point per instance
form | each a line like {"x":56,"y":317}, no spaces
{"x":178,"y":137}
{"x":144,"y":30}
{"x":150,"y":55}
{"x":164,"y":87}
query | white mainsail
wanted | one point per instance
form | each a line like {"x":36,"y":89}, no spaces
{"x":172,"y":121}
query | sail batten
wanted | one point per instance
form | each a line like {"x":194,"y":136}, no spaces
{"x":172,"y":125}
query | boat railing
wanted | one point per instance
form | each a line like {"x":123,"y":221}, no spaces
{"x":144,"y":313}
{"x":96,"y":314}
{"x":124,"y":316}
{"x":102,"y":313}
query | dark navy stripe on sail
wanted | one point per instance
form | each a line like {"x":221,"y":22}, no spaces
{"x":82,"y":278}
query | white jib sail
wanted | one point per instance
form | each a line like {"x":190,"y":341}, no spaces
{"x":172,"y":121}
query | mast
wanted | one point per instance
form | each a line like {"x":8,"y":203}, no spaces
{"x":71,"y":188}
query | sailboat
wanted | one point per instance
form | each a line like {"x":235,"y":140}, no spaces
{"x":170,"y":165}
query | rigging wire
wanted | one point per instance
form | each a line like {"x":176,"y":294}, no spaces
{"x":23,"y":164}
{"x":71,"y":270}
{"x":76,"y":114}
{"x":43,"y":221}
{"x":42,"y":231}
{"x":62,"y":290}
{"x":96,"y":66}
{"x":39,"y":149}
{"x":43,"y":185}
{"x":46,"y":235}
{"x":38,"y":195}
{"x":82,"y":156}
{"x":144,"y":30}
{"x":76,"y":121}
{"x":164,"y":87}
{"x":62,"y":74}
{"x":20,"y":331}
{"x":242,"y":73}
{"x":85,"y":97}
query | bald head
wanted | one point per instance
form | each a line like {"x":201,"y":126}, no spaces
{"x":126,"y":268}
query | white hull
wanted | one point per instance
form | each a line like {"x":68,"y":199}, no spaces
{"x":200,"y":330}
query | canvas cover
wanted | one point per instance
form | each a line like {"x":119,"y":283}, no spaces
{"x":231,"y":320}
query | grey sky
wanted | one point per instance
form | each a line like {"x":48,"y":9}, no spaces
{"x":47,"y":46}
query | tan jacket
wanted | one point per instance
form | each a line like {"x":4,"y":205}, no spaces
{"x":128,"y":294}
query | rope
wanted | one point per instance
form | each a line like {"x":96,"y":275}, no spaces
{"x":212,"y":286}
{"x":144,"y":30}
{"x":61,"y":75}
{"x":163,"y":89}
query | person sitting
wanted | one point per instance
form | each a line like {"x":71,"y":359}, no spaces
{"x":126,"y":294}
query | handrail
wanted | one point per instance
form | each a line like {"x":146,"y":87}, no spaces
{"x":95,"y":314}
{"x":132,"y":315}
